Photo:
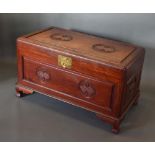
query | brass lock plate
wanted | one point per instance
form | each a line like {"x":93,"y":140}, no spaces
{"x":65,"y":62}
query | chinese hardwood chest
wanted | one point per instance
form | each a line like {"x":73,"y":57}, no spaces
{"x":97,"y":74}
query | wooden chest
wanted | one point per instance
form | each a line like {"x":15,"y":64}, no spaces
{"x":97,"y":74}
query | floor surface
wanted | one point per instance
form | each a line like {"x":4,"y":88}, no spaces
{"x":40,"y":118}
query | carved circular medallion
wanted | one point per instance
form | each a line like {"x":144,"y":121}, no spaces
{"x":103,"y":48}
{"x":61,"y":37}
{"x":43,"y":75}
{"x":87,"y":89}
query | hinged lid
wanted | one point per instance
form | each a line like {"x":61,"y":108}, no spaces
{"x":84,"y":45}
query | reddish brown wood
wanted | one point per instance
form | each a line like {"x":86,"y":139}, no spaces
{"x":103,"y":77}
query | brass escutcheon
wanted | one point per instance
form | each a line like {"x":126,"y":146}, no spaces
{"x":65,"y":62}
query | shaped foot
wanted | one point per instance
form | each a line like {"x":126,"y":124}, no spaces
{"x":115,"y":123}
{"x":19,"y":94}
{"x":21,"y":91}
{"x":116,"y":127}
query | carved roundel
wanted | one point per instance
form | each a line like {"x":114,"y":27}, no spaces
{"x":87,"y":89}
{"x":61,"y":37}
{"x":103,"y":48}
{"x":43,"y":75}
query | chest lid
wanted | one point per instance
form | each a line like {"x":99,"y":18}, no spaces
{"x":84,"y":45}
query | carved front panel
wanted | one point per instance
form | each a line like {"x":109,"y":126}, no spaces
{"x":87,"y":89}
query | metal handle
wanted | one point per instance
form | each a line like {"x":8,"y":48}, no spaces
{"x":65,"y":62}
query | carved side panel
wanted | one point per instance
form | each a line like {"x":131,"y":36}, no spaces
{"x":132,"y":89}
